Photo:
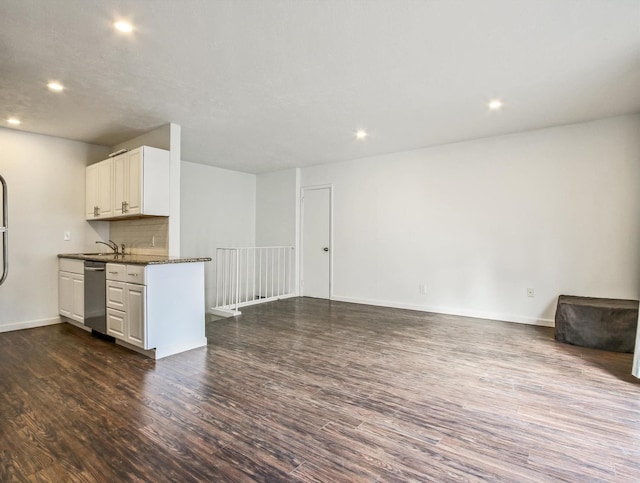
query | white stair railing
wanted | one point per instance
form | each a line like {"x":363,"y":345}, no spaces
{"x":252,"y":275}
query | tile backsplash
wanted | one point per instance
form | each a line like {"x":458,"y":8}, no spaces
{"x":142,"y":235}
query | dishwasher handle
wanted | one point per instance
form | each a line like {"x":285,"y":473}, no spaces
{"x":93,"y":269}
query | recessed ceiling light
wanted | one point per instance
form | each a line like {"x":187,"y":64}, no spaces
{"x":495,"y":104}
{"x":55,"y":86}
{"x":123,"y":26}
{"x":14,"y":121}
{"x":361,"y":134}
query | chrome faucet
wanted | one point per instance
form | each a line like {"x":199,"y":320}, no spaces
{"x":113,"y":245}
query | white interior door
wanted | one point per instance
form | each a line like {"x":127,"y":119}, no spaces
{"x":316,"y":242}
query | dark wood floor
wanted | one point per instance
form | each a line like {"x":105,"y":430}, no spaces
{"x":310,"y":390}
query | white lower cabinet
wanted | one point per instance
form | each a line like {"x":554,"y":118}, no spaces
{"x":126,"y":306}
{"x":71,"y":290}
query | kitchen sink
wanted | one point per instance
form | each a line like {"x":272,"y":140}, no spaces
{"x":102,"y":256}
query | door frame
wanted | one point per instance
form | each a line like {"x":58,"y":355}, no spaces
{"x":303,"y":190}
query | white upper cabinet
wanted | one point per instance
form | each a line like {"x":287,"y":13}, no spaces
{"x":99,"y":191}
{"x":140,"y":184}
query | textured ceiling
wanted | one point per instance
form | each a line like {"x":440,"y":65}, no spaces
{"x":259,"y":85}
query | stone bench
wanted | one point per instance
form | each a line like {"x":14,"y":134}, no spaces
{"x":607,"y":324}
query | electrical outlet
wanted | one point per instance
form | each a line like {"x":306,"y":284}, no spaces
{"x":422,"y":288}
{"x":530,"y":292}
{"x":67,"y":235}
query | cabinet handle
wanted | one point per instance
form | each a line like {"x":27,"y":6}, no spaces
{"x":98,"y":211}
{"x":133,"y":274}
{"x":125,"y":206}
{"x":113,"y":273}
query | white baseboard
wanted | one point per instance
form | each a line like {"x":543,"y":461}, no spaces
{"x":30,"y":324}
{"x":519,"y":319}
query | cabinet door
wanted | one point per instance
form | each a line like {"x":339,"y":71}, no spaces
{"x":116,"y":298}
{"x":71,"y":295}
{"x":91,"y":192}
{"x":99,"y":190}
{"x":134,"y":182}
{"x":105,"y":188}
{"x":65,"y":293}
{"x":116,"y":323}
{"x":77,"y":311}
{"x":119,"y":183}
{"x":136,"y":314}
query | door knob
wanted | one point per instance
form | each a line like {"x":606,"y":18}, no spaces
{"x":326,"y":249}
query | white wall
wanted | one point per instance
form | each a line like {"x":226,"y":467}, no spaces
{"x":479,"y":222}
{"x":276,"y":196}
{"x":218,"y":209}
{"x":46,"y":179}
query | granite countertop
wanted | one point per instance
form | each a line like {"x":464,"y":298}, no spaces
{"x":132,"y":259}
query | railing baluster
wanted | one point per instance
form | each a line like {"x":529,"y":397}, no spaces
{"x":231,"y":284}
{"x":279,"y":289}
{"x":237,"y":257}
{"x":229,"y":279}
{"x":217,"y":269}
{"x":290,"y":271}
{"x":224,"y":278}
{"x":260,"y":276}
{"x":246,"y":261}
{"x":254,"y":275}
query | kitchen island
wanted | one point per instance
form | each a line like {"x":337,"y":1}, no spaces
{"x":151,"y":304}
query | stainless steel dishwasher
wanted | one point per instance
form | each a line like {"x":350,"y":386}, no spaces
{"x":95,"y":306}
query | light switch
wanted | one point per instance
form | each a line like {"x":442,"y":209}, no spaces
{"x":67,"y":235}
